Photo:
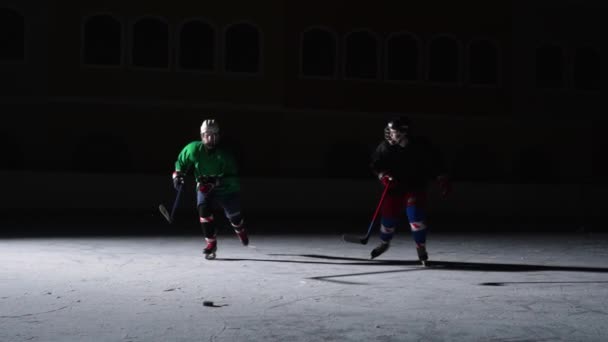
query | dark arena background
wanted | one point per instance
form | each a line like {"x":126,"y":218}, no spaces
{"x":97,"y":98}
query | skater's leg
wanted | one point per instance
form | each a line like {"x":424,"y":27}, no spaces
{"x":416,"y":217}
{"x":207,"y":221}
{"x":231,"y":204}
{"x":388,"y":223}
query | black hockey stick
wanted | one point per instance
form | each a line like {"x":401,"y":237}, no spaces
{"x":363,"y":240}
{"x":164,"y":210}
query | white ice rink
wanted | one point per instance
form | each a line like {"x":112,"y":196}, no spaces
{"x":304,"y":288}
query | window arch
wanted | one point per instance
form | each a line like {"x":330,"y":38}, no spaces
{"x":151,"y":43}
{"x":197,"y":46}
{"x":444,"y":60}
{"x":402,"y":57}
{"x":242,"y":48}
{"x":587,"y":69}
{"x":102,"y":40}
{"x":318,"y":52}
{"x":361,"y":55}
{"x":550,"y":66}
{"x":12,"y":36}
{"x":483,"y":63}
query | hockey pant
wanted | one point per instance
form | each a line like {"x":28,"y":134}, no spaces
{"x":396,"y":207}
{"x":230,"y":203}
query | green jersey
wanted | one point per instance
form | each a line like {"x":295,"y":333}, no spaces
{"x":215,"y":162}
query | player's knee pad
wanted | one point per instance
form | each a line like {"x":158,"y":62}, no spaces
{"x":238,"y":225}
{"x":236,"y":220}
{"x":414,"y":213}
{"x":386,"y":233}
{"x":206,"y":219}
{"x":417,"y":226}
{"x":204,"y":210}
{"x":386,"y":230}
{"x":207,"y":223}
{"x":389,"y":222}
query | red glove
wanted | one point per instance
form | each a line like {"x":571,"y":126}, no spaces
{"x":206,"y":184}
{"x":445,"y":186}
{"x":206,"y":187}
{"x":385,"y":179}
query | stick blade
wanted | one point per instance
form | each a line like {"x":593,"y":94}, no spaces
{"x":354,"y":239}
{"x":164,"y":212}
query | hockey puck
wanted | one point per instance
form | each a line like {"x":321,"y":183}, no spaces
{"x":207,"y":303}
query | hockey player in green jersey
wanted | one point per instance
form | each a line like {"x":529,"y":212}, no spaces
{"x":215,"y":171}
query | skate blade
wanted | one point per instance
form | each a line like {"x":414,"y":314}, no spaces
{"x":372,"y":256}
{"x":210,"y":256}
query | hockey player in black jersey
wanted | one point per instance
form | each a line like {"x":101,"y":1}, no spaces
{"x":406,"y":165}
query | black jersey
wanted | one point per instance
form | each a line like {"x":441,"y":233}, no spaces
{"x":412,"y":166}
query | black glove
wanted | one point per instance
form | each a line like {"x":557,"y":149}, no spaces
{"x":207,"y":183}
{"x":178,"y":180}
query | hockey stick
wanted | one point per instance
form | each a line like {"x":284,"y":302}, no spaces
{"x":161,"y":207}
{"x":363,"y":240}
{"x":164,"y":210}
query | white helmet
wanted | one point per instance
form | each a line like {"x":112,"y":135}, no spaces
{"x":210,"y":133}
{"x":210,"y":126}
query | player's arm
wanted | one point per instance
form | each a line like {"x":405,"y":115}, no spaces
{"x":182,"y":165}
{"x":380,"y":164}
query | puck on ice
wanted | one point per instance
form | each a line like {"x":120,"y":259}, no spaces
{"x":207,"y":303}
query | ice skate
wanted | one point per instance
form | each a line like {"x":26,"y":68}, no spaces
{"x":242,"y":234}
{"x":381,"y":248}
{"x":422,"y":254}
{"x":210,"y":249}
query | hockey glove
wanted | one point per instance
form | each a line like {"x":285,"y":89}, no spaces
{"x":385,"y":179}
{"x":206,"y":184}
{"x":178,"y":180}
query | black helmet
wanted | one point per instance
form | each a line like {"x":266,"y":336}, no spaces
{"x":401,"y":124}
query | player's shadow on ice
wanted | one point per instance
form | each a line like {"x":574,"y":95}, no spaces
{"x":461,"y":266}
{"x":431,"y":265}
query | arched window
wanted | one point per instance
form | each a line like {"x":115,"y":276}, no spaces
{"x":197,"y":46}
{"x":587,"y":69}
{"x":318,"y":53}
{"x":402,"y":57}
{"x":12,"y":36}
{"x":151,"y":43}
{"x":550,"y":67}
{"x":444,"y":60}
{"x":102,"y":40}
{"x":242,"y":44}
{"x":361,"y":53}
{"x":483,"y":63}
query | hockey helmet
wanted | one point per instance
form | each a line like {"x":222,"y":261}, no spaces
{"x":210,"y":133}
{"x":401,"y":125}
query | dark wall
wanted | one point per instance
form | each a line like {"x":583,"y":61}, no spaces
{"x":107,"y":137}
